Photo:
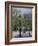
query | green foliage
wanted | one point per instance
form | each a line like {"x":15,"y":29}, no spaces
{"x":22,"y":19}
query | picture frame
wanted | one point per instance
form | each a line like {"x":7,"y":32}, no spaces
{"x":22,"y":8}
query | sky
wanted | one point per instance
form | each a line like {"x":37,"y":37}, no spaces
{"x":24,"y":10}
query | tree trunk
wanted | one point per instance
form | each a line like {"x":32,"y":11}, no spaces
{"x":20,"y":32}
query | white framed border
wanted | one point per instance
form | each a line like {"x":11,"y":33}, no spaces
{"x":33,"y":25}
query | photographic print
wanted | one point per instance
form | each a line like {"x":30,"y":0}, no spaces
{"x":20,"y":22}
